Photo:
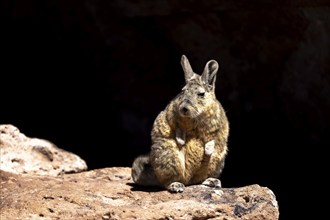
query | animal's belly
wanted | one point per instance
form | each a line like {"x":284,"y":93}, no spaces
{"x":193,"y":156}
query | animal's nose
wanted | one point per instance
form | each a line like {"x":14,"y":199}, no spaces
{"x":184,"y":110}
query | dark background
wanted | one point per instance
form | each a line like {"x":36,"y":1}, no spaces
{"x":91,"y":76}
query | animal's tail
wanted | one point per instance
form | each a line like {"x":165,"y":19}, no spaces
{"x":143,"y":173}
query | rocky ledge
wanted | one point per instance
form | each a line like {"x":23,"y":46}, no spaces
{"x":109,"y":193}
{"x":21,"y":154}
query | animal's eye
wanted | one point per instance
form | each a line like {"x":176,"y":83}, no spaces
{"x":201,"y":94}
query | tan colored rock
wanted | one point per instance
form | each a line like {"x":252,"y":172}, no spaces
{"x":20,"y":154}
{"x":109,"y":193}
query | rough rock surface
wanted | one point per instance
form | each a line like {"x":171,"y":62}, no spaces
{"x":20,"y":154}
{"x":109,"y":193}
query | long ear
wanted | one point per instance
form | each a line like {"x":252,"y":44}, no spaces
{"x":188,"y":72}
{"x":209,"y":74}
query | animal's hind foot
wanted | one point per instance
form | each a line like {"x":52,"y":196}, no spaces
{"x":212,"y":182}
{"x":176,"y":187}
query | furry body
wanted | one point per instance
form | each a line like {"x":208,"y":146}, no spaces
{"x":189,"y":138}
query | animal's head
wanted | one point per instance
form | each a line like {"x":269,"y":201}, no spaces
{"x":198,"y":93}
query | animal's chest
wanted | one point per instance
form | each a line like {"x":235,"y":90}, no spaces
{"x":196,"y":136}
{"x":192,"y":133}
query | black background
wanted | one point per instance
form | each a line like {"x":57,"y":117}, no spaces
{"x":91,"y":77}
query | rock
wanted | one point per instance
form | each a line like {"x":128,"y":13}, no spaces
{"x":20,"y":154}
{"x":109,"y":193}
{"x":42,"y":181}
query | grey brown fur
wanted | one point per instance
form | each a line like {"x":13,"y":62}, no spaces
{"x":189,"y":138}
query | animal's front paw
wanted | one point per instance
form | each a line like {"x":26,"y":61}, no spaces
{"x":180,"y":141}
{"x":212,"y":182}
{"x":176,"y":187}
{"x":180,"y":136}
{"x":209,"y":147}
